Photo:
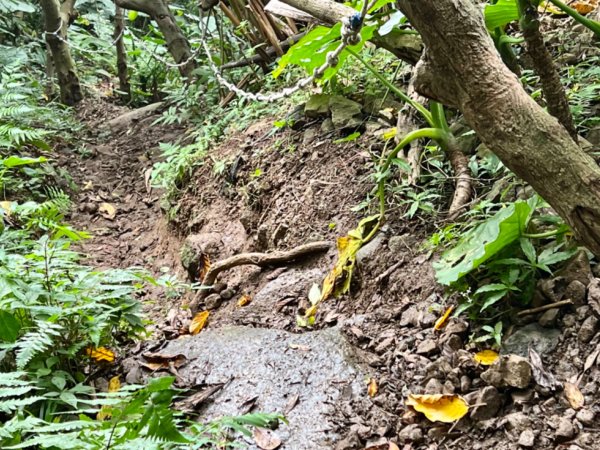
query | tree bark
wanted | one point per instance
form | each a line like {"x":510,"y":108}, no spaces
{"x":124,"y":86}
{"x":554,"y":93}
{"x":177,"y":43}
{"x":57,"y":17}
{"x":461,"y":68}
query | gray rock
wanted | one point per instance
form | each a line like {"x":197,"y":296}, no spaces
{"x":327,"y":126}
{"x":368,"y":252}
{"x":517,"y":422}
{"x":213,"y":301}
{"x":434,"y":386}
{"x":465,"y":384}
{"x":509,"y":371}
{"x":262,"y":363}
{"x":578,"y":268}
{"x":488,"y":404}
{"x":410,"y":317}
{"x":411,"y":434}
{"x":402,"y":243}
{"x":310,"y":135}
{"x":593,"y":136}
{"x":576,"y":292}
{"x":548,"y":319}
{"x":227,"y":294}
{"x":317,"y":106}
{"x":345,"y":113}
{"x":565,"y":430}
{"x":542,"y":340}
{"x":427,"y":347}
{"x":586,"y":417}
{"x":588,"y":329}
{"x":593,"y":296}
{"x":527,"y":439}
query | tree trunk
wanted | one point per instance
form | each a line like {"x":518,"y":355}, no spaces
{"x":121,"y":54}
{"x":461,"y":68}
{"x":177,"y":43}
{"x":56,"y":19}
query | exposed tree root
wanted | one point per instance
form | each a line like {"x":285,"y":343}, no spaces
{"x":462,"y":190}
{"x":256,"y":259}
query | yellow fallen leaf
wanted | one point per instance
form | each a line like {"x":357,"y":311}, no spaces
{"x":114,"y":384}
{"x":439,"y":324}
{"x":100,"y":354}
{"x":574,"y":396}
{"x":6,"y":206}
{"x":107,"y":211}
{"x":390,"y":133}
{"x":581,"y":6}
{"x":198,"y":322}
{"x":373,"y":388}
{"x":486,"y":357}
{"x":244,"y":300}
{"x":445,"y":408}
{"x":88,"y":186}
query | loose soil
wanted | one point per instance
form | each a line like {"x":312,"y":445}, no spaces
{"x":278,"y":191}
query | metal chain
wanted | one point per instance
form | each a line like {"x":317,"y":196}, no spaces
{"x":350,"y":31}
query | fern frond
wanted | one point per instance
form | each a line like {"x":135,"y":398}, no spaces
{"x":36,"y":342}
{"x":10,"y":405}
{"x":8,"y":379}
{"x":15,"y":391}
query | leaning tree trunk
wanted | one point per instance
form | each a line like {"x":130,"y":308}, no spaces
{"x":177,"y":43}
{"x":460,"y":67}
{"x":56,"y":18}
{"x":124,"y":86}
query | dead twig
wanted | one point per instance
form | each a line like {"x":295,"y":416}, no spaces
{"x":389,"y":271}
{"x":527,"y":312}
{"x":256,"y":259}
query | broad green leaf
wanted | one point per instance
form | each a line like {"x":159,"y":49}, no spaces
{"x":486,"y":240}
{"x":9,"y":327}
{"x":501,"y":14}
{"x":492,"y":299}
{"x":378,"y":4}
{"x":528,"y":249}
{"x":494,"y":287}
{"x":14,"y":161}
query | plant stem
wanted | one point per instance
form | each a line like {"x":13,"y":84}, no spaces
{"x":402,"y":95}
{"x":544,"y":235}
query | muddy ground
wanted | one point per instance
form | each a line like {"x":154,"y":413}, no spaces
{"x":278,"y":191}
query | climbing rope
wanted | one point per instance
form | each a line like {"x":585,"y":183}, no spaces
{"x":57,"y":35}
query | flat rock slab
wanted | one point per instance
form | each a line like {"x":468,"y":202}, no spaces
{"x":274,"y":367}
{"x":542,"y":340}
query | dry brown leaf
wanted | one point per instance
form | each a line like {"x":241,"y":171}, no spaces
{"x":291,"y":404}
{"x":439,"y":324}
{"x":445,"y":408}
{"x":100,"y":354}
{"x":148,"y":179}
{"x":158,"y":361}
{"x":203,"y":266}
{"x":244,"y":300}
{"x":373,"y":388}
{"x":198,"y":322}
{"x":107,"y":210}
{"x":541,"y":375}
{"x":574,"y":396}
{"x":265,"y":439}
{"x":486,"y":357}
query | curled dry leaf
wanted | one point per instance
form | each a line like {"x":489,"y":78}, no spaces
{"x":107,"y":210}
{"x":574,"y":396}
{"x":198,"y":322}
{"x":159,"y":361}
{"x":541,"y":375}
{"x":203,"y":266}
{"x":439,"y":324}
{"x":486,"y":357}
{"x":373,"y":388}
{"x":244,"y":300}
{"x":445,"y":408}
{"x":265,"y":439}
{"x":100,"y":354}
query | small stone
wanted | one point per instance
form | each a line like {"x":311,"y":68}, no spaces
{"x":586,"y":417}
{"x":327,"y":126}
{"x":227,"y":294}
{"x":213,"y":301}
{"x":456,"y":326}
{"x":509,"y":371}
{"x":219,"y":287}
{"x":279,"y":233}
{"x":454,"y":342}
{"x":517,"y":422}
{"x":465,"y":384}
{"x":588,"y":329}
{"x":345,"y":113}
{"x":565,"y":430}
{"x":410,"y":317}
{"x":526,"y":439}
{"x":578,"y":268}
{"x":134,"y":376}
{"x":576,"y":292}
{"x":310,"y":135}
{"x":411,"y":434}
{"x":542,"y":340}
{"x":569,"y":320}
{"x":427,"y":347}
{"x":434,"y":386}
{"x":488,"y":404}
{"x":548,"y":319}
